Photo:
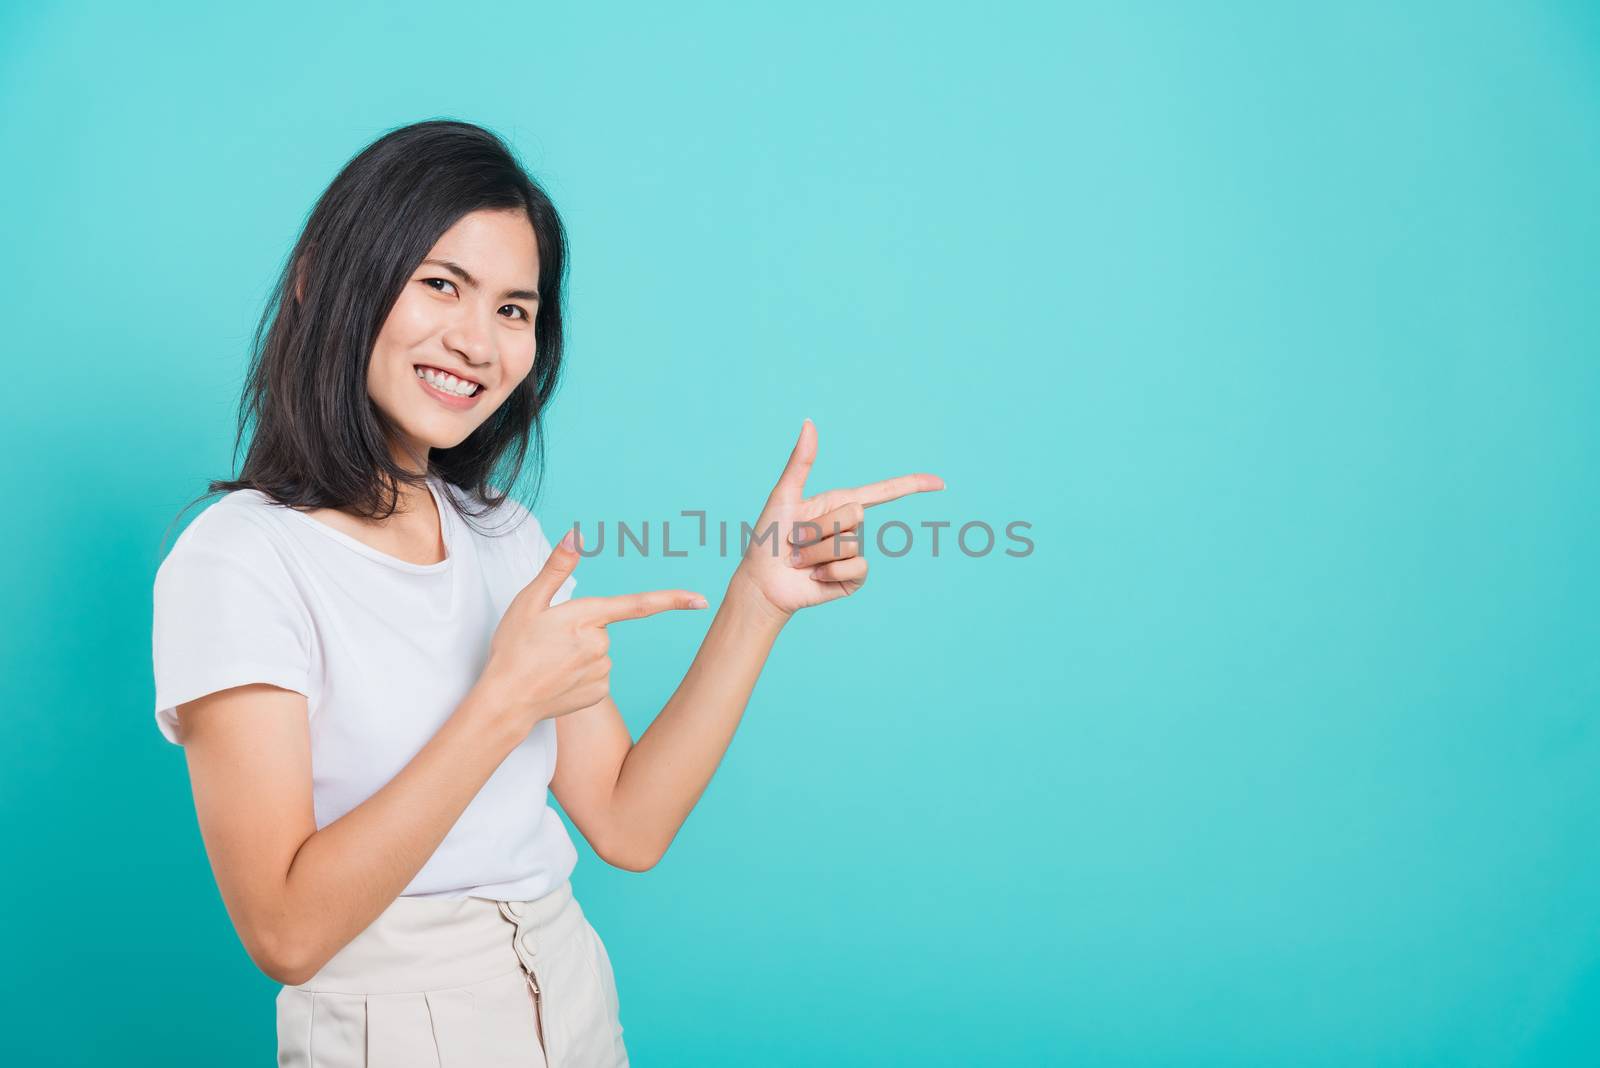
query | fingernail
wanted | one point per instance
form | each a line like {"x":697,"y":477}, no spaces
{"x":794,"y":558}
{"x":698,"y":602}
{"x":571,"y":540}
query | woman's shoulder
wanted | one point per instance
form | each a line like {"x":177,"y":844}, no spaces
{"x":239,"y":525}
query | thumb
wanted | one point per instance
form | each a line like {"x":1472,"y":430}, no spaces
{"x":792,"y":483}
{"x":560,"y":563}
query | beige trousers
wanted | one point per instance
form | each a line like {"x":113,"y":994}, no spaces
{"x":460,"y":983}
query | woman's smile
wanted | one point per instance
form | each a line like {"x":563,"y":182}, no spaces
{"x":445,"y":387}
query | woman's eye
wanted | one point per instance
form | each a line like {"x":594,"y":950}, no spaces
{"x":521,"y":312}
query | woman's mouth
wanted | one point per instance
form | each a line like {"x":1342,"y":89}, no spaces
{"x":447,"y":389}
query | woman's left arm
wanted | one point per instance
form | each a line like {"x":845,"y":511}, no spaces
{"x":629,"y":799}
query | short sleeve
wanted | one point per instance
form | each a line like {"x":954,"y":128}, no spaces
{"x":227,"y":613}
{"x":539,"y":549}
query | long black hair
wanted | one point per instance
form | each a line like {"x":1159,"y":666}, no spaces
{"x":319,"y":440}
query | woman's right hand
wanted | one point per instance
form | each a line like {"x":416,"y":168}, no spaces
{"x":548,"y":661}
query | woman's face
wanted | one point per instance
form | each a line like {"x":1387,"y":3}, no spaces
{"x":467,"y":311}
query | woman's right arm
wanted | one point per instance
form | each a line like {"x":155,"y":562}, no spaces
{"x":296,"y":894}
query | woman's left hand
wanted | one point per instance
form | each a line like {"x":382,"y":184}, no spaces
{"x":807,"y":550}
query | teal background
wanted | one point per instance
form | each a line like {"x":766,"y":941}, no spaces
{"x":1277,"y":322}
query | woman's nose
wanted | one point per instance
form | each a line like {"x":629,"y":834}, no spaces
{"x":471,"y":339}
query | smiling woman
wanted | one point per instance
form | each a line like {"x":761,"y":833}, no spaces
{"x":372,"y":656}
{"x":379,"y":827}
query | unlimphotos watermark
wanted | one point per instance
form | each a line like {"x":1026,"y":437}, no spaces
{"x":974,"y":538}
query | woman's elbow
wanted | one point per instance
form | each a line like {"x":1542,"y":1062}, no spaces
{"x":284,"y":957}
{"x":634,"y":861}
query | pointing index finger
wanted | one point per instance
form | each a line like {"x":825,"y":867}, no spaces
{"x":887,"y":490}
{"x":605,"y":610}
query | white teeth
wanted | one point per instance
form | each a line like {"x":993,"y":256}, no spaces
{"x":447,"y":382}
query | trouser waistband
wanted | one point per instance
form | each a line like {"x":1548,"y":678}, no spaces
{"x":422,"y":943}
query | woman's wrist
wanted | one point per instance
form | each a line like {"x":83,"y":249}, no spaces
{"x":745,"y":595}
{"x":488,"y":707}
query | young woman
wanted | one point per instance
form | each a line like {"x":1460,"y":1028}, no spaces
{"x":373,"y":657}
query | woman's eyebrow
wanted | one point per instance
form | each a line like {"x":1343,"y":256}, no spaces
{"x":466,"y":276}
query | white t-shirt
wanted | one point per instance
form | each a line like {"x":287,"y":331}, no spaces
{"x":384,"y":650}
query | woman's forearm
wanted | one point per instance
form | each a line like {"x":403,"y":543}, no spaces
{"x":347,"y":873}
{"x":668,"y":768}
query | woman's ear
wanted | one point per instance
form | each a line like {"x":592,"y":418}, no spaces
{"x":302,"y":265}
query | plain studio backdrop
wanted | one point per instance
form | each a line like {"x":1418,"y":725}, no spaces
{"x":1276,"y":322}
